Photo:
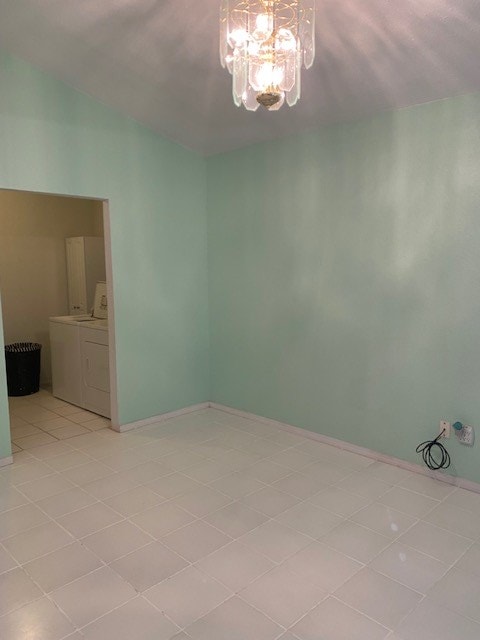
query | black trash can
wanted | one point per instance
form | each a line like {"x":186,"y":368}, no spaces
{"x":23,"y":368}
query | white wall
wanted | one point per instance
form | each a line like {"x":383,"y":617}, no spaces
{"x":33,"y":277}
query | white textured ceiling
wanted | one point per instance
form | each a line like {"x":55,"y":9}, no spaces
{"x":157,"y":61}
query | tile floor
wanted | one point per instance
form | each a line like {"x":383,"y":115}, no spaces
{"x":213,"y":527}
{"x":41,"y":419}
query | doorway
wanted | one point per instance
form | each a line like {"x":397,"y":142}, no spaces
{"x":36,"y":285}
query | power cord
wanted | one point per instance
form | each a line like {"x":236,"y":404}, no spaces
{"x":434,"y":454}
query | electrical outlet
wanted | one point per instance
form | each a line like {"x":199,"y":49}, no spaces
{"x":445,"y":428}
{"x":466,"y":435}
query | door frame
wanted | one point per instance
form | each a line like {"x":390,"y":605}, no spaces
{"x":112,"y":356}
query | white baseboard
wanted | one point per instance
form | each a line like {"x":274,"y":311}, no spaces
{"x":160,"y":418}
{"x":5,"y":461}
{"x":462,"y":483}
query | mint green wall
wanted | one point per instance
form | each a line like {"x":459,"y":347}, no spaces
{"x":56,"y":140}
{"x":343,"y":264}
{"x":344,"y":275}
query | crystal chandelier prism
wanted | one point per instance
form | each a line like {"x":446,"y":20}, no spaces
{"x":264,"y":44}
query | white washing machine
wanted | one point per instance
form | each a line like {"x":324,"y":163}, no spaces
{"x":95,"y":367}
{"x":80,"y":358}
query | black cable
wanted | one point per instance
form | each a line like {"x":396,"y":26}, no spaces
{"x":429,"y":449}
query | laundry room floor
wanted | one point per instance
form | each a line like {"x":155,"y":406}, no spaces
{"x":40,"y":419}
{"x":210,"y":526}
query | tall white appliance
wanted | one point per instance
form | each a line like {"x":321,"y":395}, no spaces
{"x":85,"y":267}
{"x":80,"y":357}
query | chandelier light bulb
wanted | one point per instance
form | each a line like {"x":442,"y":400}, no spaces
{"x":264,"y":44}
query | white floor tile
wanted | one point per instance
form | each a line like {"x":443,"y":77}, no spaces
{"x":68,"y":460}
{"x":124,"y":459}
{"x":51,"y":403}
{"x":56,"y":423}
{"x":378,"y":597}
{"x":148,"y":566}
{"x":275,"y":541}
{"x":6,"y":560}
{"x":173,"y":485}
{"x":66,"y":502}
{"x":237,"y":485}
{"x":24,"y":430}
{"x":293,"y":459}
{"x":208,"y":471}
{"x":93,"y":596}
{"x":267,"y":471}
{"x":158,"y":476}
{"x":326,"y":473}
{"x":270,"y":501}
{"x":66,"y":411}
{"x":236,"y":519}
{"x":134,"y":501}
{"x":430,"y":621}
{"x":86,"y":473}
{"x":202,"y":501}
{"x":409,"y":567}
{"x":60,"y":567}
{"x":415,"y":504}
{"x":20,"y":474}
{"x":109,"y":486}
{"x":68,"y":431}
{"x":356,"y":541}
{"x":470,"y":561}
{"x":323,"y":566}
{"x":39,"y":620}
{"x":465,"y":500}
{"x":45,"y":487}
{"x":147,"y":472}
{"x":334,"y":620}
{"x":365,"y":485}
{"x":180,"y":460}
{"x":385,"y":520}
{"x":309,"y":519}
{"x":439,"y":543}
{"x":20,"y":519}
{"x":283,"y":596}
{"x":459,"y":591}
{"x":427,"y":486}
{"x":17,"y":589}
{"x":388,"y":472}
{"x":235,"y":620}
{"x":187,"y":596}
{"x":97,"y":424}
{"x":126,"y":622}
{"x":299,"y":485}
{"x":82,"y":416}
{"x":33,"y":413}
{"x":162,"y":519}
{"x":349,"y":459}
{"x":116,"y":541}
{"x":36,"y":440}
{"x":89,"y":519}
{"x":36,"y":542}
{"x":448,"y":516}
{"x":51,"y":450}
{"x":235,"y":565}
{"x":196,"y":540}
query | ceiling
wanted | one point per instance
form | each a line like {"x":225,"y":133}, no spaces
{"x":157,"y":61}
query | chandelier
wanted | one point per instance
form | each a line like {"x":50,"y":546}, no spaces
{"x":263,"y":44}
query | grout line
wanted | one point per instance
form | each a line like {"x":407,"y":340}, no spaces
{"x":188,"y":446}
